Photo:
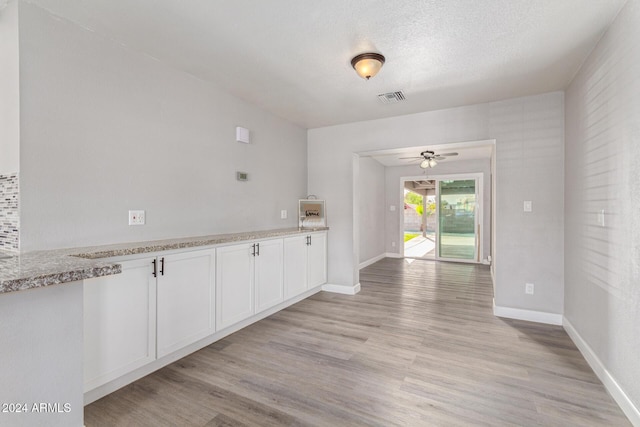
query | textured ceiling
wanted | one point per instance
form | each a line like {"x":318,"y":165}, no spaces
{"x":292,"y":57}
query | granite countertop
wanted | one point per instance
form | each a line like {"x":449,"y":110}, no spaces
{"x":43,"y":268}
{"x":29,"y":270}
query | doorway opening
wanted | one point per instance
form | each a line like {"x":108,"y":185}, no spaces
{"x":442,"y":218}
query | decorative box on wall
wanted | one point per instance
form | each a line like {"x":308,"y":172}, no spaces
{"x":311,"y":213}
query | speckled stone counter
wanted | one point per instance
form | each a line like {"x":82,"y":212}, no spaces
{"x":187,"y":242}
{"x":43,"y":268}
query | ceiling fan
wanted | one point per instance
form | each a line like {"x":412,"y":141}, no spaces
{"x":429,"y":158}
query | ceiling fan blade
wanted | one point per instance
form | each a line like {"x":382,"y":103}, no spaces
{"x":439,"y":157}
{"x":448,"y":154}
{"x":405,"y":158}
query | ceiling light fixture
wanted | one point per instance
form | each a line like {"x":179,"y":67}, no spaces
{"x":368,"y":64}
{"x":428,"y":158}
{"x":428,"y":163}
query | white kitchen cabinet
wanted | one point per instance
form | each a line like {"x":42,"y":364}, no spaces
{"x":268,"y":275}
{"x":295,"y":265}
{"x":186,"y":290}
{"x":305,"y":263}
{"x":164,"y":304}
{"x":119,"y":323}
{"x":317,"y":259}
{"x":234,"y":279}
{"x":249,"y":280}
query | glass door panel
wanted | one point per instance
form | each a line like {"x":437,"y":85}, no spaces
{"x":457,"y":219}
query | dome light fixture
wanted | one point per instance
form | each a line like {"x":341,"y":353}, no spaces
{"x":367,"y":64}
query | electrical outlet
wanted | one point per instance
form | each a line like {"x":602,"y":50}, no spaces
{"x":393,"y":244}
{"x":528,"y":288}
{"x":528,"y":206}
{"x":136,"y":217}
{"x":283,"y":214}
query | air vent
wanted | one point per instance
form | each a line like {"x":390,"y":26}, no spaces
{"x":391,"y":97}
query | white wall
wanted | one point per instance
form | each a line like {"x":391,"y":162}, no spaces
{"x":529,"y":247}
{"x":602,"y":163}
{"x":9,"y":90}
{"x":371,"y":189}
{"x":394,"y":196}
{"x":493,"y":213}
{"x":529,"y":134}
{"x":41,"y":355}
{"x":105,"y":130}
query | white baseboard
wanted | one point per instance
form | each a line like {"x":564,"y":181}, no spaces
{"x":392,"y":255}
{"x":529,"y":315}
{"x":371,"y":261}
{"x":612,"y":386}
{"x":342,"y":289}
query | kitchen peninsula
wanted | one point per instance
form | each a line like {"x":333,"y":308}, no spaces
{"x":79,"y":323}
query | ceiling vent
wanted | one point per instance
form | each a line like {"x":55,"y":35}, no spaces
{"x":391,"y":97}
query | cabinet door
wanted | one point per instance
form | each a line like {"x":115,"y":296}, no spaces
{"x":185,"y":299}
{"x":295,"y":266}
{"x":317,"y":260}
{"x":268,"y":274}
{"x":234,"y":289}
{"x":119,"y":323}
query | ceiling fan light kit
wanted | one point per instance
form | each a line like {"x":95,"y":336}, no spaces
{"x":367,"y":64}
{"x":429,"y":159}
{"x":428,"y":163}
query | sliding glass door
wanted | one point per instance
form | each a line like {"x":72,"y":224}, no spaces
{"x":457,"y":237}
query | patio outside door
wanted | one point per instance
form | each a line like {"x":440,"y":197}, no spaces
{"x":457,"y":237}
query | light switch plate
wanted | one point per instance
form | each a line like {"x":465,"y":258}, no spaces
{"x":528,"y":206}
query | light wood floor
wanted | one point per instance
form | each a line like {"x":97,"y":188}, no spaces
{"x":418,"y":346}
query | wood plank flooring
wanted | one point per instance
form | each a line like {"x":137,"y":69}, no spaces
{"x":418,"y":346}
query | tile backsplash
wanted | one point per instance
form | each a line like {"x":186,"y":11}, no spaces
{"x":9,"y":213}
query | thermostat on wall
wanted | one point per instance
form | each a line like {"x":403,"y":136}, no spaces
{"x":242,"y":134}
{"x":242,"y":176}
